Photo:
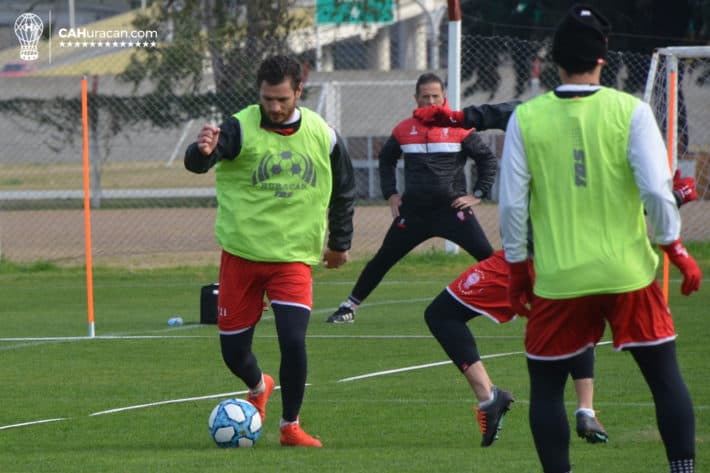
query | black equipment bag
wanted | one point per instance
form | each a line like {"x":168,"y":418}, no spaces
{"x":208,"y":303}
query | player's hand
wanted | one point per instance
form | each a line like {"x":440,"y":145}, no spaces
{"x":684,"y":188}
{"x":207,"y":139}
{"x":438,"y":115}
{"x":334,"y":259}
{"x":465,"y":202}
{"x":395,"y":201}
{"x":682,"y":260}
{"x":520,"y":288}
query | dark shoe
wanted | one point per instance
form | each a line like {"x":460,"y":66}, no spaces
{"x":344,"y":315}
{"x":590,"y":429}
{"x":490,"y":418}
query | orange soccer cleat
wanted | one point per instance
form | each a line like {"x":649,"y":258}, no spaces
{"x":259,"y":400}
{"x":292,"y":435}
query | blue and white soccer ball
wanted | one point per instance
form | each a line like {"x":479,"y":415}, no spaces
{"x":235,"y":423}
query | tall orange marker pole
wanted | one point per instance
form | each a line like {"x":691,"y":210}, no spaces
{"x":670,"y":145}
{"x":87,"y":208}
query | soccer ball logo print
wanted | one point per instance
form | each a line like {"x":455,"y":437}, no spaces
{"x":235,"y":423}
{"x":287,"y":167}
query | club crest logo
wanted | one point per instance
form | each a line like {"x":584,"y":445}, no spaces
{"x":471,"y":280}
{"x":28,"y":29}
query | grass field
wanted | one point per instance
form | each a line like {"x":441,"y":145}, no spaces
{"x":136,"y":398}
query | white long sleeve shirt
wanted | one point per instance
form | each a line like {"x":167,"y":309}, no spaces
{"x":647,"y":157}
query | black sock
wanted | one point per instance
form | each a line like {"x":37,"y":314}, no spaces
{"x":291,"y":325}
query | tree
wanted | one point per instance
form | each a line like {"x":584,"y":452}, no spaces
{"x":222,"y":41}
{"x":229,"y":36}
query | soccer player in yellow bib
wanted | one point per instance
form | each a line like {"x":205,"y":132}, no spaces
{"x":282,"y":174}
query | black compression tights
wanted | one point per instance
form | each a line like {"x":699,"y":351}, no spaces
{"x":674,"y":410}
{"x":410,"y":230}
{"x":447,"y":319}
{"x":237,"y":355}
{"x":548,"y":418}
{"x":291,"y":325}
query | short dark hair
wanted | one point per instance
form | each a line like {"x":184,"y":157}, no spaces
{"x":428,"y":78}
{"x":275,"y":69}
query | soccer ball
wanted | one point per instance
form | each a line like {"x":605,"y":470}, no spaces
{"x":235,"y":423}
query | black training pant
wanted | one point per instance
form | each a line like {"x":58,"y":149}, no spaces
{"x":412,"y":228}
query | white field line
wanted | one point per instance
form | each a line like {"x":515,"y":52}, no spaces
{"x":34,"y":422}
{"x":222,"y":395}
{"x":38,"y":340}
{"x":162,"y":403}
{"x":101,"y":337}
{"x":172,"y":401}
{"x":195,"y":325}
{"x":419,"y":367}
{"x":375,"y":304}
{"x":237,"y":393}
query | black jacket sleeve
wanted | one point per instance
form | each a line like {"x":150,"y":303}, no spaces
{"x":229,"y":144}
{"x":342,"y":199}
{"x":389,"y":154}
{"x":485,"y":160}
{"x":488,"y":116}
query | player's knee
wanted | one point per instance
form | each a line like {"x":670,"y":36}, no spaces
{"x":292,"y":343}
{"x":439,"y":313}
{"x":239,"y":363}
{"x":431,"y":315}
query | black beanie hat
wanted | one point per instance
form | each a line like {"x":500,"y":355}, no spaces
{"x":580,"y":41}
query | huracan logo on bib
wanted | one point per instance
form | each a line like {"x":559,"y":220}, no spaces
{"x":286,"y":172}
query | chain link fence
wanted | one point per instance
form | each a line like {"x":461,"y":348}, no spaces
{"x":148,"y":211}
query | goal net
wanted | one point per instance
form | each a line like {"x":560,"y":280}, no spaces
{"x":678,"y":90}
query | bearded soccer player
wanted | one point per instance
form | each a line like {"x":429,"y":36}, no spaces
{"x":280,"y":169}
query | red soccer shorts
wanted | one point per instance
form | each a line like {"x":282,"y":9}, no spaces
{"x":483,"y":288}
{"x":562,"y":328}
{"x":243,"y":283}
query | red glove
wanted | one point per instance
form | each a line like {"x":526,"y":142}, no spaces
{"x":684,"y":188}
{"x":682,"y":260}
{"x":519,"y":288}
{"x":439,"y":115}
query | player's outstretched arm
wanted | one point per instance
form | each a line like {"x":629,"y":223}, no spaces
{"x":479,"y":117}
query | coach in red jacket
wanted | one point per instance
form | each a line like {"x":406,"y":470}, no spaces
{"x":434,"y":202}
